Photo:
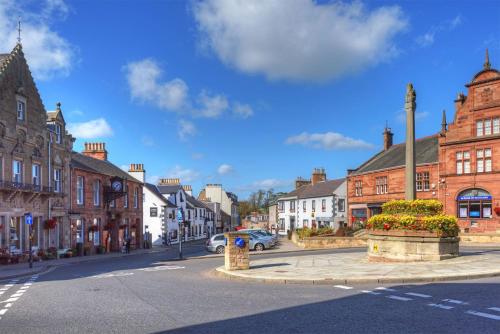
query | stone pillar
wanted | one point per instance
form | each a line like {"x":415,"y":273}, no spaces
{"x":410,"y":171}
{"x":236,"y":258}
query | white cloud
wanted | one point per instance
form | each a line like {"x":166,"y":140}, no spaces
{"x":186,"y":129}
{"x":225,"y":169}
{"x":143,"y":78}
{"x":48,"y":54}
{"x":211,"y":106}
{"x":428,"y":38}
{"x":328,"y":141}
{"x":299,"y":40}
{"x":147,"y":140}
{"x":184,"y":174}
{"x":97,"y":128}
{"x":242,"y":110}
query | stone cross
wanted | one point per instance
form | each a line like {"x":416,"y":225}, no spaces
{"x":410,"y":171}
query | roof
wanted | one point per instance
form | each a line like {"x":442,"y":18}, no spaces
{"x":154,"y":190}
{"x":426,"y":152}
{"x":3,"y":57}
{"x":199,"y":204}
{"x":169,"y":189}
{"x":94,"y":165}
{"x":320,"y":189}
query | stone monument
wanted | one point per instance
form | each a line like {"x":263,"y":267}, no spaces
{"x":410,"y":171}
{"x":236,"y":256}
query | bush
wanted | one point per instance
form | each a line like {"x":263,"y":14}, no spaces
{"x":416,"y":207}
{"x":439,"y":223}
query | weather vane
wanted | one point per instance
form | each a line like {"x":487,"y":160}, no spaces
{"x":19,"y":30}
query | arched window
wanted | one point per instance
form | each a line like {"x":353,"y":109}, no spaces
{"x":474,"y":203}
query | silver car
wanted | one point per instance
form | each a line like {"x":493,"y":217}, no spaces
{"x":263,"y":233}
{"x":216,"y":244}
{"x":259,"y":242}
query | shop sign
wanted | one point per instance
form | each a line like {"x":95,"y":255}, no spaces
{"x":474,"y":198}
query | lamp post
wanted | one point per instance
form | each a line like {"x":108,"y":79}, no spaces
{"x":180,"y":218}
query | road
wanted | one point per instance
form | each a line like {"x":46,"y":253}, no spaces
{"x":152,"y":293}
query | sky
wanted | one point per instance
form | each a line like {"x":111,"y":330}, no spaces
{"x":249,"y":94}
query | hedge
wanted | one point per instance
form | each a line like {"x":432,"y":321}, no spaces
{"x":306,"y":232}
{"x":416,"y":207}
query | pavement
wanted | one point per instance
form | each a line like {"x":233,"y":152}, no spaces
{"x":354,"y":267}
{"x":151,"y":293}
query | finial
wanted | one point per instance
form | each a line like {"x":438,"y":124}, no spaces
{"x":19,"y":30}
{"x":487,"y":64}
{"x":444,"y":124}
{"x":58,"y":105}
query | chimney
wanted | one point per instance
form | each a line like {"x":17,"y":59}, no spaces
{"x":318,"y":175}
{"x":96,"y":150}
{"x":188,"y":189}
{"x":137,"y":171}
{"x":299,"y":182}
{"x":387,"y":138}
{"x":169,"y":182}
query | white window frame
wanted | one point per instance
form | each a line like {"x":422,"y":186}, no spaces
{"x":57,"y":180}
{"x":17,"y":171}
{"x":136,"y":198}
{"x":58,"y":129}
{"x":21,"y":109}
{"x":80,"y":190}
{"x":125,"y":199}
{"x":36,"y":174}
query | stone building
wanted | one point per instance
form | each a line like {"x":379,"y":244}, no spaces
{"x":460,"y":165}
{"x":35,"y":152}
{"x":106,"y":202}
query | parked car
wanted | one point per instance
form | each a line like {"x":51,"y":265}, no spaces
{"x":259,"y":242}
{"x":263,"y":233}
{"x":216,"y":244}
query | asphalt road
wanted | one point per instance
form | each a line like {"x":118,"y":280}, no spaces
{"x":152,"y":293}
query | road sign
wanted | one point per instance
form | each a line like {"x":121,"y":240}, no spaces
{"x":179,"y":215}
{"x":28,"y":218}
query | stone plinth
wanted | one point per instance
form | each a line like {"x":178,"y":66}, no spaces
{"x":408,"y":246}
{"x":236,"y":258}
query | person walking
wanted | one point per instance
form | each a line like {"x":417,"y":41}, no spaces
{"x":127,"y":245}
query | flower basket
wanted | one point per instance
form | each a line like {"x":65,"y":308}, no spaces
{"x":93,"y":228}
{"x":497,"y":210}
{"x":134,"y":226}
{"x":50,"y":224}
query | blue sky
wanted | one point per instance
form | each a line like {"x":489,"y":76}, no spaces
{"x":250,"y":95}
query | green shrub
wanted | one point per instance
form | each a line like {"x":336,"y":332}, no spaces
{"x":438,"y":223}
{"x":416,"y":207}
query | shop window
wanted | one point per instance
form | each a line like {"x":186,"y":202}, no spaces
{"x":474,"y":203}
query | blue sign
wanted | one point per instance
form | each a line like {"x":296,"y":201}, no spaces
{"x":28,"y":218}
{"x":474,"y":198}
{"x":239,"y":242}
{"x":180,"y":217}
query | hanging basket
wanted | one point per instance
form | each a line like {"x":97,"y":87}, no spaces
{"x":50,"y":224}
{"x":108,"y":227}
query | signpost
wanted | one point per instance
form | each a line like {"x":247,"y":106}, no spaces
{"x":28,"y":218}
{"x":180,"y":219}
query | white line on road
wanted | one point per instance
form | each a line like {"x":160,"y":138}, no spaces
{"x":454,"y":301}
{"x":370,"y":292}
{"x":343,"y":287}
{"x":404,"y":299}
{"x":444,"y":307}
{"x":162,"y":268}
{"x":2,"y":311}
{"x":384,"y":289}
{"x":10,"y":300}
{"x":417,"y":295}
{"x":28,"y":284}
{"x":8,"y":305}
{"x":8,"y":285}
{"x":16,"y":295}
{"x":494,"y":309}
{"x":484,"y":315}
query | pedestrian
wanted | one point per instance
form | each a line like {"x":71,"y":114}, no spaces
{"x":127,"y":245}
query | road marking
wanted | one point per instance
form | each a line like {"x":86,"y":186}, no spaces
{"x":24,"y":288}
{"x":16,"y":295}
{"x":444,"y":307}
{"x":112,"y":275}
{"x":343,"y":287}
{"x":404,"y":299}
{"x":2,"y":311}
{"x":417,"y":295}
{"x":384,"y":289}
{"x":10,"y":300}
{"x":484,"y":315}
{"x":162,"y":268}
{"x":8,"y":305}
{"x":494,"y":309}
{"x":454,"y":301}
{"x":370,"y":292}
{"x":28,"y":284}
{"x":8,"y":285}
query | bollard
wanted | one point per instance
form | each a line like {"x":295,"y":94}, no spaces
{"x":236,"y":256}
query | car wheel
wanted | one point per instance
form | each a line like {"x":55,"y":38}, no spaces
{"x":259,"y":247}
{"x":219,"y":250}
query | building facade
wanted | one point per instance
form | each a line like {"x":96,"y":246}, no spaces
{"x":228,"y":204}
{"x":460,"y":165}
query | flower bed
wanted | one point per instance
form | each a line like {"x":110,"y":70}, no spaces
{"x":307,"y":232}
{"x":443,"y":224}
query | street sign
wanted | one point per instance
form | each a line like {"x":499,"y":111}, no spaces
{"x":179,"y":215}
{"x":28,"y":218}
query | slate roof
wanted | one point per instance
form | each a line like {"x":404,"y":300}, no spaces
{"x":426,"y":152}
{"x":154,"y":190}
{"x":94,"y":165}
{"x":320,"y":189}
{"x":169,"y":189}
{"x":197,"y":203}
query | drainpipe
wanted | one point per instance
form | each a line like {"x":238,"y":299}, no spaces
{"x":49,"y":173}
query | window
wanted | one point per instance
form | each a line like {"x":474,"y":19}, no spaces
{"x":125,"y":199}
{"x":423,"y":181}
{"x":136,"y":198}
{"x":304,"y":206}
{"x":189,"y":214}
{"x":180,"y":197}
{"x":112,"y":203}
{"x":305,"y":222}
{"x":323,"y":205}
{"x":358,"y":188}
{"x":486,"y":127}
{"x":57,"y":180}
{"x":463,"y":162}
{"x":479,"y":128}
{"x":21,"y":110}
{"x":97,"y":192}
{"x":496,"y":126}
{"x":313,"y":206}
{"x":79,"y":190}
{"x":474,"y":203}
{"x":153,"y":212}
{"x":58,"y":128}
{"x":35,"y":173}
{"x":381,"y":185}
{"x":17,"y":171}
{"x":281,"y":206}
{"x":483,"y":161}
{"x":292,"y":206}
{"x":341,"y":205}
{"x":282,"y":224}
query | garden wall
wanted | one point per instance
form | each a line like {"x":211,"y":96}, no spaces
{"x":328,"y":242}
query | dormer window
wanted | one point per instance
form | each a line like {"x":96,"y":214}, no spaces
{"x":21,"y":110}
{"x":58,"y":129}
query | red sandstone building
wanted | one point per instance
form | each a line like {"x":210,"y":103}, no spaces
{"x":460,"y":165}
{"x":106,"y":202}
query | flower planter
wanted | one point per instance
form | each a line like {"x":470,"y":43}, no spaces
{"x":497,"y":210}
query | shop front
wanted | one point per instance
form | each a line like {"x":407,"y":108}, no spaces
{"x":475,"y":208}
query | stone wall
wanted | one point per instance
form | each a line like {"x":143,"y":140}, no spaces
{"x":479,"y":238}
{"x":328,"y":242}
{"x":236,"y":258}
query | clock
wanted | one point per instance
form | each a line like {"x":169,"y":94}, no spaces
{"x":116,"y":185}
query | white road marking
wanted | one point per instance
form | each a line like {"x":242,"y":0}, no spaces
{"x":8,"y":305}
{"x":4,"y":289}
{"x":343,"y":287}
{"x":484,"y":315}
{"x":417,"y":295}
{"x":162,"y":268}
{"x":28,"y":284}
{"x":444,"y":307}
{"x":384,"y":289}
{"x":10,"y":300}
{"x":454,"y":301}
{"x":2,"y":311}
{"x":370,"y":292}
{"x":16,"y":295}
{"x":494,"y":309}
{"x":404,"y":299}
{"x":24,"y":288}
{"x":112,"y":275}
{"x":8,"y":285}
{"x":20,"y":291}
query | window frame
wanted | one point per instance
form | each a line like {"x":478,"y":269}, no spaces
{"x":80,"y":190}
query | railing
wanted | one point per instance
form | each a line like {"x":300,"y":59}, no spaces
{"x":25,"y":187}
